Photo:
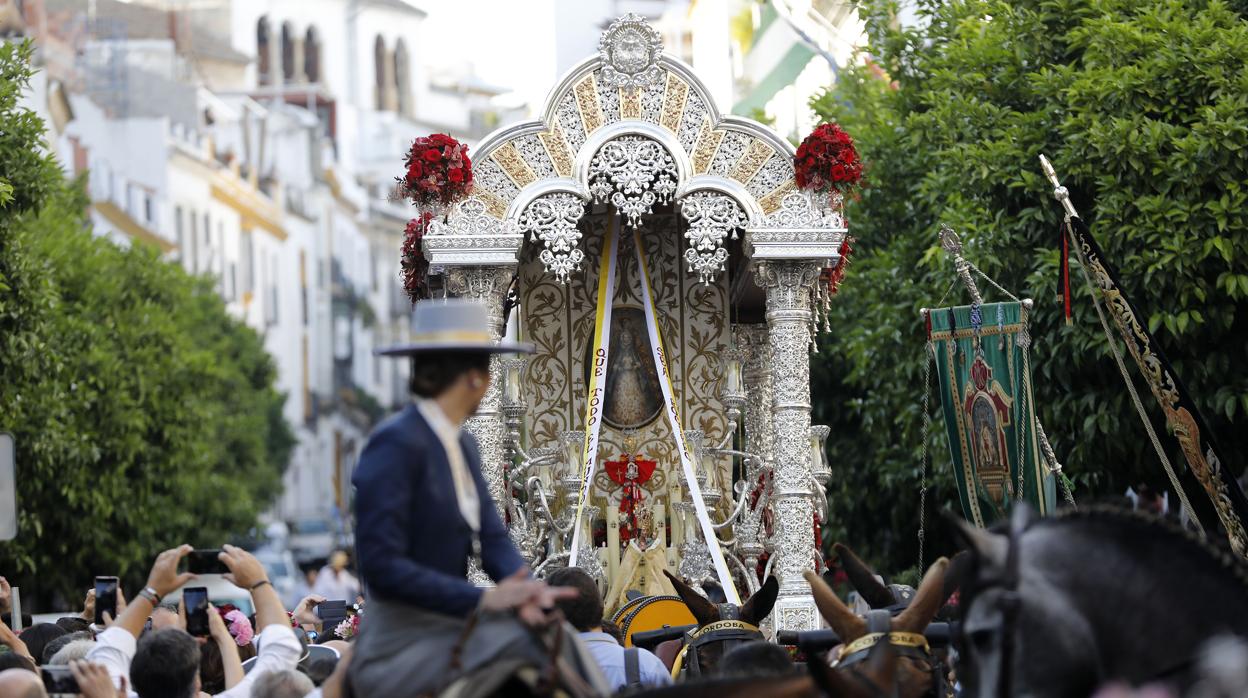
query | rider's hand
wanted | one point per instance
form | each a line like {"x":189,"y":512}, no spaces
{"x":530,"y":598}
{"x":512,"y":592}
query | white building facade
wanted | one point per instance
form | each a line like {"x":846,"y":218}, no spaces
{"x":257,"y":142}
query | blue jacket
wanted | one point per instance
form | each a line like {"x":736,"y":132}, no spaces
{"x":413,"y":544}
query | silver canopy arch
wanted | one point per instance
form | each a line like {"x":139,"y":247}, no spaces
{"x":634,"y":128}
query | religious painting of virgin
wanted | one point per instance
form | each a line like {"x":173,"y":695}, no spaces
{"x":634,"y":396}
{"x":988,"y":412}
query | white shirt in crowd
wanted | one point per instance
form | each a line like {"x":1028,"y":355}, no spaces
{"x":610,"y":658}
{"x":278,"y":649}
{"x":336,"y":585}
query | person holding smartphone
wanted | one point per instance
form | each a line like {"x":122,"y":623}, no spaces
{"x":166,"y":661}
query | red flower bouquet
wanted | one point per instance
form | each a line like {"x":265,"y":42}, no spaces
{"x":415,"y":266}
{"x":438,"y":172}
{"x":827,"y":161}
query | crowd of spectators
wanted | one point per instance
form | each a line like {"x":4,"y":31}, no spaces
{"x":146,"y":651}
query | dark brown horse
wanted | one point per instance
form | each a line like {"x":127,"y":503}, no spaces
{"x":874,"y":678}
{"x":917,"y":672}
{"x":720,"y":626}
{"x":895,"y":597}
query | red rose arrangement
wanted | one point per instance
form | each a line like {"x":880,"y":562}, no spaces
{"x":827,"y":161}
{"x":439,"y":171}
{"x":415,"y":266}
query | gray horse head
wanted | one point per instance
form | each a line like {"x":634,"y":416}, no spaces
{"x":1014,"y":618}
{"x":1062,"y":605}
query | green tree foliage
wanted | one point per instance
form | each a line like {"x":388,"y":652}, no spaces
{"x":144,"y":414}
{"x":1143,"y":107}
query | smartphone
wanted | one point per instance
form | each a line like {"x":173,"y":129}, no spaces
{"x":105,"y":599}
{"x":197,"y":609}
{"x":205,"y":562}
{"x":59,"y":679}
{"x":331,"y":613}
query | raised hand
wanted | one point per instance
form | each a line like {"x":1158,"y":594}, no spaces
{"x":94,"y":681}
{"x":6,"y":595}
{"x":305,"y":612}
{"x":164,"y":576}
{"x":245,"y":570}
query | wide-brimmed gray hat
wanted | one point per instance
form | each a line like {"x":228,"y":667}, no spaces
{"x":453,"y":324}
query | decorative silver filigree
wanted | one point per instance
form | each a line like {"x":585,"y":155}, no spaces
{"x":691,"y":121}
{"x":799,"y":210}
{"x":695,"y":561}
{"x":535,"y":156}
{"x":789,"y":286}
{"x":629,"y":50}
{"x":609,"y":98}
{"x":569,"y":115}
{"x":488,"y":285}
{"x":731,"y":148}
{"x":488,"y":175}
{"x":652,"y":102}
{"x":553,"y":220}
{"x":634,"y":173}
{"x":712,"y":217}
{"x":777,"y":170}
{"x":471,"y":236}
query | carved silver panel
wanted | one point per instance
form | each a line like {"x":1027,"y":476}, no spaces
{"x":691,"y":121}
{"x":652,"y":102}
{"x":800,"y":211}
{"x":609,"y":98}
{"x":488,"y":175}
{"x":731,"y":148}
{"x":472,"y":236}
{"x":629,"y":50}
{"x":535,"y":156}
{"x":553,"y":219}
{"x":488,"y":285}
{"x":569,"y":117}
{"x":777,"y":170}
{"x":712,"y":218}
{"x":633,"y":173}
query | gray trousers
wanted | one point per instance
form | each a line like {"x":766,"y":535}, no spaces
{"x":406,"y":651}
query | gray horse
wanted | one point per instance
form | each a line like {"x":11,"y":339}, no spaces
{"x":1059,"y":606}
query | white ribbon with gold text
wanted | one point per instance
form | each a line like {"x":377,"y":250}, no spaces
{"x":597,"y":396}
{"x":673,"y":417}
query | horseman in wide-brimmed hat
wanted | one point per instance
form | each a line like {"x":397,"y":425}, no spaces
{"x":423,"y":511}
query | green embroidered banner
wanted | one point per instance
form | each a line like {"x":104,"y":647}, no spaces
{"x":983,"y":374}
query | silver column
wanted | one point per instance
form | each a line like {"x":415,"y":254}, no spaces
{"x":789,"y":286}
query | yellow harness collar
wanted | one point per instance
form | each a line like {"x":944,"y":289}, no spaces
{"x":899,"y":639}
{"x":722,"y":625}
{"x":679,"y":662}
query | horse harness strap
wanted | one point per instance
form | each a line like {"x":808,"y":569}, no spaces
{"x":730,"y":631}
{"x":879,"y":628}
{"x":900,"y":640}
{"x":736,"y":626}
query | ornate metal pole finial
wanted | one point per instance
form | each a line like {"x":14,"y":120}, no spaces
{"x":1059,"y":192}
{"x":952,"y":244}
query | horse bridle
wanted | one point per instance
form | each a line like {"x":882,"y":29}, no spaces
{"x":730,"y":629}
{"x":1009,"y":603}
{"x":879,"y":629}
